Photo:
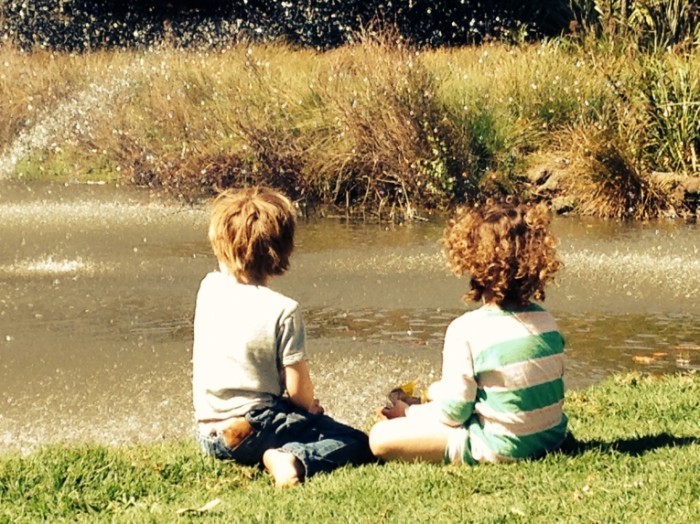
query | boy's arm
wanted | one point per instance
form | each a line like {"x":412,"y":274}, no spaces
{"x":300,"y":388}
{"x":453,"y":396}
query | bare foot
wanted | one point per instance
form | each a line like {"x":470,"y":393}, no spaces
{"x":284,"y":467}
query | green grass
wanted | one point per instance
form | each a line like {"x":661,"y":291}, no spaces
{"x":635,"y":458}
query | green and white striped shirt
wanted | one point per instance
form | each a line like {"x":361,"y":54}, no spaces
{"x":502,"y":380}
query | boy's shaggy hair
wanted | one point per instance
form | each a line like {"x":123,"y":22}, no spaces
{"x":507,"y":250}
{"x":252,"y":232}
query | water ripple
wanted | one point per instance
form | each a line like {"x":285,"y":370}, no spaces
{"x":679,"y":274}
{"x":50,"y":266}
{"x":389,"y":263}
{"x":87,"y":213}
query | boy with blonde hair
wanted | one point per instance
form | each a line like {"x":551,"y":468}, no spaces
{"x":501,"y":393}
{"x":253,"y":396}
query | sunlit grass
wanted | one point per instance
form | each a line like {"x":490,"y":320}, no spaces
{"x":634,"y":458}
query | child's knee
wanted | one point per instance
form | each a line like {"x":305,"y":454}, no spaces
{"x":379,"y":439}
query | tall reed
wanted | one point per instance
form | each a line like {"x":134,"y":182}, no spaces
{"x":649,"y":24}
{"x":671,"y":88}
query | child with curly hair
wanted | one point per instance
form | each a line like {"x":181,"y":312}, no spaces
{"x":253,"y":396}
{"x":501,"y":393}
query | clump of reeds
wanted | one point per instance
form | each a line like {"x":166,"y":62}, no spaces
{"x":606,"y":179}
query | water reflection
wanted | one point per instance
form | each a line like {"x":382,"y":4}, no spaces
{"x":97,"y":291}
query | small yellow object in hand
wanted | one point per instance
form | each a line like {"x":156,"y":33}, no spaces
{"x":409,"y":387}
{"x":408,"y":393}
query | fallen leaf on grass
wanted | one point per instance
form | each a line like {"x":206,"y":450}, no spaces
{"x":207,"y":507}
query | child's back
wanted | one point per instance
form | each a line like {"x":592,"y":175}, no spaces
{"x":237,"y":324}
{"x":501,"y":393}
{"x":253,"y":396}
{"x":517,"y":392}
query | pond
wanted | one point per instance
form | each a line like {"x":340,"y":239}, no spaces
{"x":97,"y":289}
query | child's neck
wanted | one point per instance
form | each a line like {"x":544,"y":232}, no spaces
{"x":243,"y":279}
{"x":490,"y":305}
{"x":504,"y":306}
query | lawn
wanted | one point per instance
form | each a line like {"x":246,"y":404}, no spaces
{"x":634,"y":457}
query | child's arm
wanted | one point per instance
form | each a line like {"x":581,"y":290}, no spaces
{"x":452,"y":398}
{"x":300,"y":388}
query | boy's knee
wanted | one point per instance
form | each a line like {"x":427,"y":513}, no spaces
{"x":379,"y":439}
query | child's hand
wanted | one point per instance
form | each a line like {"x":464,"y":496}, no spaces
{"x":396,"y":410}
{"x":316,"y":408}
{"x":406,"y":393}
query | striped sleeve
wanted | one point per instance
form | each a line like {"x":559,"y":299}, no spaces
{"x":456,"y":392}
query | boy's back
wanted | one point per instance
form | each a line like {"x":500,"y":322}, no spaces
{"x":244,"y":336}
{"x":252,"y":391}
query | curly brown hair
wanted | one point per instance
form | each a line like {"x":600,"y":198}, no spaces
{"x":506,"y":248}
{"x":252,"y":232}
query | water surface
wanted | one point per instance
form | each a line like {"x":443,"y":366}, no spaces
{"x":97,"y":288}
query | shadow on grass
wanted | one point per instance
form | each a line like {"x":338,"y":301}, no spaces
{"x":631,"y":446}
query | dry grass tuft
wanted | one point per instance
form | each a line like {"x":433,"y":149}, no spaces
{"x":607,"y":181}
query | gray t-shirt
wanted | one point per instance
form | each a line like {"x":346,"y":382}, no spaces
{"x":244,"y":336}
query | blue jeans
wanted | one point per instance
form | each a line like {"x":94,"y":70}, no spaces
{"x":319,"y":442}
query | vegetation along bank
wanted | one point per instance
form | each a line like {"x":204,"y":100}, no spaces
{"x":381,"y":120}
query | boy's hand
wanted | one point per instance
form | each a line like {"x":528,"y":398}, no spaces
{"x":396,"y":410}
{"x":316,"y":408}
